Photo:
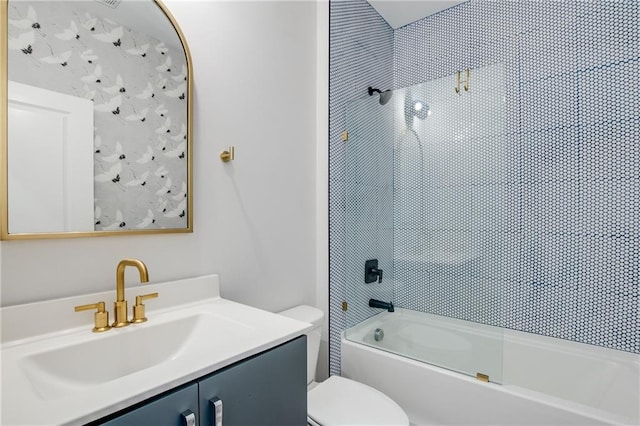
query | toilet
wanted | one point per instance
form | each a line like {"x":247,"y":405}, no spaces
{"x":338,"y":400}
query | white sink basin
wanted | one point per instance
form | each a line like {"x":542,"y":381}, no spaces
{"x":56,"y":371}
{"x":120,"y":352}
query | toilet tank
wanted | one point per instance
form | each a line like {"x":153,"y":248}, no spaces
{"x":314,"y":316}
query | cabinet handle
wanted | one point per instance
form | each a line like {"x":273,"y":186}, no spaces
{"x":216,"y":406}
{"x":188,"y":418}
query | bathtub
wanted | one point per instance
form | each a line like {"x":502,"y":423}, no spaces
{"x":534,"y":380}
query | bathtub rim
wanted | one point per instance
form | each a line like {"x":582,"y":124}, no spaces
{"x":602,"y":416}
{"x":511,"y":337}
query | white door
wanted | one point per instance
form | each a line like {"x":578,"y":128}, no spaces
{"x":50,"y":156}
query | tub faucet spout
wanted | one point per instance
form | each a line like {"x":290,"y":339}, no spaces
{"x":373,"y":303}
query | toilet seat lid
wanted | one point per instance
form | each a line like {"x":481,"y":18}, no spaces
{"x":341,"y":401}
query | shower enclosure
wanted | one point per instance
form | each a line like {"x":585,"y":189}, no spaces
{"x":429,"y":195}
{"x":501,"y":206}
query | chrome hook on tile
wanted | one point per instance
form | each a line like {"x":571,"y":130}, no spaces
{"x":228,"y":155}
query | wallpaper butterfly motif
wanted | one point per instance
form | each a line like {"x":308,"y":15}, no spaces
{"x":139,"y":87}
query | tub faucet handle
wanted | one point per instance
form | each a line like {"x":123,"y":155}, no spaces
{"x":371,"y":271}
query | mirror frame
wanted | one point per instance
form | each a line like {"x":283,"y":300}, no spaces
{"x":4,"y":165}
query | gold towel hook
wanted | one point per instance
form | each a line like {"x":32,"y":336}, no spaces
{"x":466,"y":83}
{"x":229,"y":155}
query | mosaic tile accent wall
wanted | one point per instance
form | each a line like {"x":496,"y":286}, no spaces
{"x":361,"y":55}
{"x":565,"y":258}
{"x":567,"y":262}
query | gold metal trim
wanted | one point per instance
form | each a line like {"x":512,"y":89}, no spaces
{"x":457,"y":88}
{"x":345,"y":136}
{"x":345,"y":306}
{"x":229,"y":155}
{"x":4,"y":169}
{"x":482,"y":377}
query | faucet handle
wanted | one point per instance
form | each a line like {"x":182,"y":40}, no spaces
{"x":138,"y":309}
{"x":101,"y":317}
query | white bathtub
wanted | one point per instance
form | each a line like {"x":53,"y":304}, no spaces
{"x":545,"y":381}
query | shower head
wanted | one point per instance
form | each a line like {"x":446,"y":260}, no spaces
{"x":384,"y":96}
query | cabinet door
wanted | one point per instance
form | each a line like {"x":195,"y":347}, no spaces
{"x":268,"y":389}
{"x":165,"y":411}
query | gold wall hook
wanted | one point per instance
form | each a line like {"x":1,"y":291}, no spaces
{"x":466,"y":83}
{"x":227,"y":156}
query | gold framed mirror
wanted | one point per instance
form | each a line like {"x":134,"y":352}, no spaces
{"x":96,"y":119}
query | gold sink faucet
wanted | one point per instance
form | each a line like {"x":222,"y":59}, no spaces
{"x":120,"y":305}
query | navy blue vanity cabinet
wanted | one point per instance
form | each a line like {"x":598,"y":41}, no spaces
{"x":174,"y":408}
{"x":268,"y":389}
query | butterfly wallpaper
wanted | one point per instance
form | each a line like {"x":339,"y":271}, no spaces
{"x":139,"y":88}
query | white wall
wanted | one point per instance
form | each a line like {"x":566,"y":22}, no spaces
{"x":255,"y":88}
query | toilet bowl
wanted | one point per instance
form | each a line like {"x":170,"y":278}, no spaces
{"x":338,"y":400}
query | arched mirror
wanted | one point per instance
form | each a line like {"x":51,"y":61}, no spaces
{"x":96,"y":119}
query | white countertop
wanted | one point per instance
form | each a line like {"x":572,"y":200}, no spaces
{"x":34,"y":328}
